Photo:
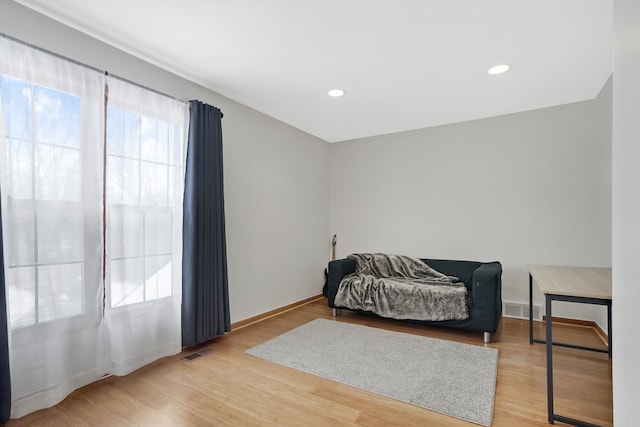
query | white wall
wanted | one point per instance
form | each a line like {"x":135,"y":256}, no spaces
{"x":525,"y":188}
{"x":626,"y":212}
{"x":276,"y":186}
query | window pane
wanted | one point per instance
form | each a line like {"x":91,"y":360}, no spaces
{"x":16,"y":101}
{"x":115,"y":131}
{"x":154,"y":184}
{"x":21,"y":245}
{"x":155,"y":140}
{"x":176,"y":180}
{"x":131,"y":134}
{"x":164,"y":276}
{"x":57,"y":117}
{"x":20,"y":168}
{"x":60,"y":291}
{"x":151,"y":278}
{"x":157,"y":233}
{"x":126,"y":234}
{"x":162,"y":139}
{"x":123,"y":133}
{"x":58,"y":176}
{"x":149,"y":139}
{"x":60,"y":235}
{"x":158,"y":277}
{"x":123,"y":180}
{"x":127,"y":279}
{"x":22,"y":296}
{"x":175,"y":145}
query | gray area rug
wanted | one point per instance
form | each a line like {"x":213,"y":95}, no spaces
{"x":451,"y":378}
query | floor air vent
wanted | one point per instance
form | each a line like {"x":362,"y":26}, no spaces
{"x":198,"y":354}
{"x":521,"y":311}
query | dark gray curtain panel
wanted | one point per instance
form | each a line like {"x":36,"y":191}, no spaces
{"x":5,"y":381}
{"x":205,"y":292}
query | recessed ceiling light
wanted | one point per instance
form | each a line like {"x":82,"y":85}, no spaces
{"x":499,"y":69}
{"x":336,"y":92}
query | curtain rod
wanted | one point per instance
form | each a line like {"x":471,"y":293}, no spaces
{"x":73,"y":61}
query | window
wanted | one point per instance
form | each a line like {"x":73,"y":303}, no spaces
{"x":68,"y":198}
{"x":143,"y":162}
{"x":44,"y":257}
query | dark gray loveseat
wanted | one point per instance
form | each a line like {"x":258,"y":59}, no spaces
{"x":483,"y":282}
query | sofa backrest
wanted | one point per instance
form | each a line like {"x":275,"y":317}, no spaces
{"x":463,"y":270}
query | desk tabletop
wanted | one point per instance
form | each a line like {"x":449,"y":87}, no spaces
{"x":589,"y":282}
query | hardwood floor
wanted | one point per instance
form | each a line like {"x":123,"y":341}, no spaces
{"x":227,"y":387}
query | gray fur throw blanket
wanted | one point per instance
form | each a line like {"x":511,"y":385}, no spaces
{"x":400,"y":287}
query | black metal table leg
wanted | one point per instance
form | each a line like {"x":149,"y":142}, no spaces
{"x":609,"y":327}
{"x":530,"y":309}
{"x":549,"y":340}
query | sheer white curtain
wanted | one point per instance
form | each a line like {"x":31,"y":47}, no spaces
{"x":146,"y":137}
{"x":51,"y":172}
{"x":68,"y":326}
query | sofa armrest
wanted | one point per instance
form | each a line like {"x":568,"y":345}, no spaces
{"x":486,"y":293}
{"x":337,"y":270}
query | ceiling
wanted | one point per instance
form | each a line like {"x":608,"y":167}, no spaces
{"x":404,"y":64}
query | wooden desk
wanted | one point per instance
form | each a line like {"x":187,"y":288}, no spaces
{"x":572,"y":284}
